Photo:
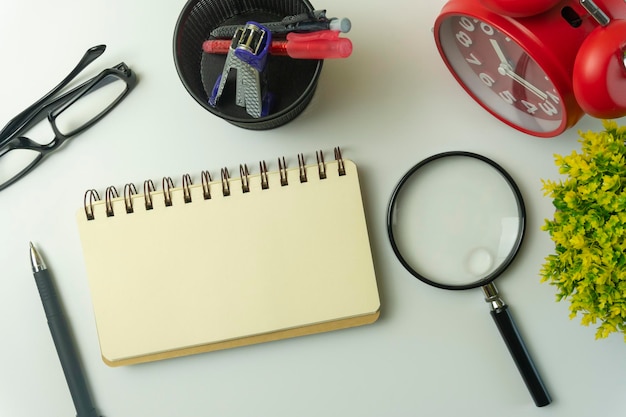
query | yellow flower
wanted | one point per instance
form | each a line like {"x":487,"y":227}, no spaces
{"x":571,"y":199}
{"x":610,"y":182}
{"x":588,"y":229}
{"x":577,"y":242}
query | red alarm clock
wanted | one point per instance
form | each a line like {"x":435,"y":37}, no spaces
{"x":517,"y":58}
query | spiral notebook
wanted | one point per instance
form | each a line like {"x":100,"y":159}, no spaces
{"x":215,"y":264}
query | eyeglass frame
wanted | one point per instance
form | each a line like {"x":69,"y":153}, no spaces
{"x":51,"y":107}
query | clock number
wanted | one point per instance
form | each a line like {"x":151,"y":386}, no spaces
{"x":530,"y":107}
{"x":488,"y":30}
{"x":548,"y":108}
{"x":466,"y":24}
{"x":554,"y":97}
{"x":464,"y":39}
{"x":507,"y":96}
{"x":486,"y":78}
{"x":473,"y":60}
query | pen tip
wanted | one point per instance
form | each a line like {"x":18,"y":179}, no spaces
{"x":36,"y":261}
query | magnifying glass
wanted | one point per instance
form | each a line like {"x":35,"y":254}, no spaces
{"x":456,"y":221}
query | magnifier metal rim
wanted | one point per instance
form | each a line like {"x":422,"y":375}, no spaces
{"x":520,"y":233}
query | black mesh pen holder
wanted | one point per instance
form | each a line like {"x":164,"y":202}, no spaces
{"x":291,"y":82}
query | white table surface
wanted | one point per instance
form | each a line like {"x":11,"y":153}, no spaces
{"x":393,"y":103}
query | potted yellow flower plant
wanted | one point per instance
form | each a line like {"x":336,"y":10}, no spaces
{"x":588,"y":267}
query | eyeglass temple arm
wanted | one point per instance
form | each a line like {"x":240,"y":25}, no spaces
{"x":90,"y":55}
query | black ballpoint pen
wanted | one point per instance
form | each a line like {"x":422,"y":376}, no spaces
{"x":61,"y":337}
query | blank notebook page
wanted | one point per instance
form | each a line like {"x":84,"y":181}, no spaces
{"x":229,"y":270}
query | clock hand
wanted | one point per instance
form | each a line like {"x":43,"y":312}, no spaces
{"x":505,"y":69}
{"x":496,"y":46}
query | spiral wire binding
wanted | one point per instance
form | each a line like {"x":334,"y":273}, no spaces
{"x":302,"y":168}
{"x":225,"y":183}
{"x":339,"y":158}
{"x":206,"y":179}
{"x":109,"y":194}
{"x":321,"y":165}
{"x":265,"y":183}
{"x":282,"y":169}
{"x":245,"y":180}
{"x":91,"y":195}
{"x":148,"y":189}
{"x":186,"y":190}
{"x":129,"y":191}
{"x":168,"y":184}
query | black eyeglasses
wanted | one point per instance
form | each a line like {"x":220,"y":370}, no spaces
{"x":67,"y":115}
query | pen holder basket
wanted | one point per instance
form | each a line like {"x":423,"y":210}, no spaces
{"x":291,"y":82}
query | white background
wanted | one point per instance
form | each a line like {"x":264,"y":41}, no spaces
{"x":391,"y":104}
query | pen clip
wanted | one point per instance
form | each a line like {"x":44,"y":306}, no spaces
{"x":315,"y":15}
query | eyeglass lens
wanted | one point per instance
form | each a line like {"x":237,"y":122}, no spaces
{"x":91,"y":105}
{"x":97,"y":100}
{"x":456,"y":220}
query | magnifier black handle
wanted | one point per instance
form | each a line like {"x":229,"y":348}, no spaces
{"x":517,"y":348}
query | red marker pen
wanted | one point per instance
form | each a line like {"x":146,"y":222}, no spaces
{"x":323,"y":44}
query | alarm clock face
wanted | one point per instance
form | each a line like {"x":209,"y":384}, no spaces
{"x":500,"y":75}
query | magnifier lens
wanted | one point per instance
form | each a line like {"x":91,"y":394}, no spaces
{"x":456,"y":220}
